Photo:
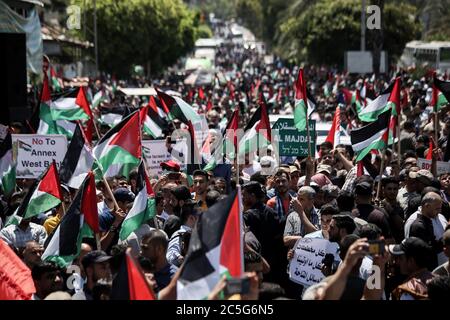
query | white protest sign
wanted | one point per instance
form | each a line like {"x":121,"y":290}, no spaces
{"x":155,"y":152}
{"x":3,"y":132}
{"x":33,"y":153}
{"x":306,"y":266}
{"x":441,"y":166}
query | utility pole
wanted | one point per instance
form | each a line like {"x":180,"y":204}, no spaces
{"x":363,"y":26}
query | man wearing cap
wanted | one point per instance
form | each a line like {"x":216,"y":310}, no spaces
{"x":96,"y":266}
{"x":111,"y":222}
{"x":412,"y":257}
{"x":368,"y":212}
{"x":423,"y":228}
{"x":423,"y":177}
{"x":408,"y":191}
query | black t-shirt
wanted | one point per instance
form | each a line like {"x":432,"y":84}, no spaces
{"x":374,"y":215}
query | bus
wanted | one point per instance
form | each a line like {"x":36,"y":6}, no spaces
{"x":435,"y":54}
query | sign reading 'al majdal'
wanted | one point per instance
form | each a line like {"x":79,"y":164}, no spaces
{"x":292,"y":142}
{"x":33,"y":153}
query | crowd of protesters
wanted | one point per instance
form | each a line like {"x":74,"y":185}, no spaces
{"x":322,"y":196}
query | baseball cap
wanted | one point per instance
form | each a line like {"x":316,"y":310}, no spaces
{"x":96,"y":256}
{"x":422,"y":175}
{"x":253,"y":187}
{"x":324,"y":168}
{"x":412,"y":246}
{"x":124,"y":195}
{"x":363,"y":188}
{"x":293,"y":169}
{"x":171,"y":165}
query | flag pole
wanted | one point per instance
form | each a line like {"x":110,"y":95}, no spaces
{"x":436,"y":127}
{"x":108,"y":189}
{"x":98,"y":242}
{"x":95,"y":127}
{"x":309,"y":137}
{"x":399,"y":152}
{"x":381,"y":174}
{"x":155,"y":220}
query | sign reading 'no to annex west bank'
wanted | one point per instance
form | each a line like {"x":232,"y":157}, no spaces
{"x":33,"y":153}
{"x":292,"y":142}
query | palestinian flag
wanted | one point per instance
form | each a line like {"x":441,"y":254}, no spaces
{"x":47,"y":124}
{"x":373,"y":136}
{"x":112,"y":116}
{"x":17,"y":216}
{"x":119,"y":150}
{"x":17,"y":282}
{"x":144,"y":207}
{"x":430,"y":150}
{"x":7,"y":166}
{"x":46,"y":195}
{"x":156,"y":103}
{"x":55,"y":81}
{"x":177,"y":108}
{"x":335,"y":131}
{"x":394,"y":102}
{"x":194,"y":156}
{"x":230,"y":138}
{"x":80,"y":221}
{"x":77,"y":161}
{"x":378,"y":106}
{"x":304,"y":103}
{"x":441,"y":93}
{"x":99,"y":97}
{"x":257,"y":133}
{"x":201,"y":94}
{"x":152,"y":123}
{"x":68,"y":108}
{"x":215,"y":249}
{"x":130,"y":282}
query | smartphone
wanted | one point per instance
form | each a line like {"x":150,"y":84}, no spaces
{"x":376,"y":247}
{"x":237,"y":286}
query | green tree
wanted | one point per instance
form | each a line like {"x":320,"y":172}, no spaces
{"x":251,"y":15}
{"x":323,"y":31}
{"x":151,"y":33}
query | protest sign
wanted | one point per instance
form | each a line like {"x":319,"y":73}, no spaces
{"x":33,"y":153}
{"x":292,"y":142}
{"x":441,"y":166}
{"x":306,"y":266}
{"x":155,"y":152}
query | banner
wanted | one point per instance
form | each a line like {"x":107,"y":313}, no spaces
{"x":292,"y":142}
{"x":33,"y":153}
{"x":155,"y":152}
{"x":441,"y":166}
{"x":306,"y":266}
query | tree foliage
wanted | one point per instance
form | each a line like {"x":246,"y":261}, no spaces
{"x":325,"y":29}
{"x":146,"y":32}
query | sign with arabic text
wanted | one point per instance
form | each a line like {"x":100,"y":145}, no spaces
{"x":292,"y":142}
{"x":306,"y":266}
